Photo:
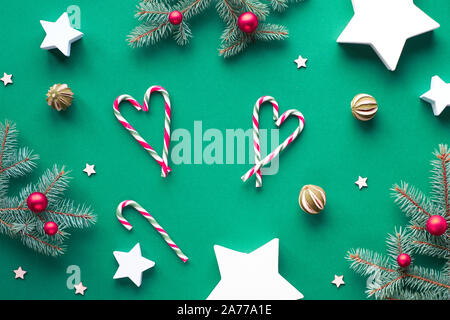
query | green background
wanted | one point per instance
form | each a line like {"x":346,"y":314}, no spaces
{"x":204,"y":205}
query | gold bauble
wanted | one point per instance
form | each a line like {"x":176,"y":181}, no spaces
{"x":59,"y":96}
{"x":364,"y":107}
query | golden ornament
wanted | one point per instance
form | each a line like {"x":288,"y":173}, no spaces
{"x":364,"y":107}
{"x":312,"y":199}
{"x":59,"y":96}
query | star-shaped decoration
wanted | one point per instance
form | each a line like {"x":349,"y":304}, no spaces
{"x":385,"y":25}
{"x":60,"y":34}
{"x":89,"y":169}
{"x":300,"y":62}
{"x":438,"y":95}
{"x":361,"y":182}
{"x":132,"y":264}
{"x":7,"y":78}
{"x":251,"y":276}
{"x":20,"y":273}
{"x":338,"y":280}
{"x":80,"y":289}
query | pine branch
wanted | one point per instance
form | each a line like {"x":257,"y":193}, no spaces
{"x":398,"y":243}
{"x":440,"y":178}
{"x":182,"y":33}
{"x":413,"y":203}
{"x":267,"y":32}
{"x":149,"y":33}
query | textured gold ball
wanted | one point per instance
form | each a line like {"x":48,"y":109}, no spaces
{"x":364,"y":107}
{"x":59,"y":96}
{"x":312,"y":199}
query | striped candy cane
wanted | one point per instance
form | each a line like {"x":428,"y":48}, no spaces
{"x":256,"y":146}
{"x":150,"y":219}
{"x":260,"y":163}
{"x":163,"y":162}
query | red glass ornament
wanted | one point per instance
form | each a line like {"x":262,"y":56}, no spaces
{"x":248,"y":22}
{"x":50,"y":228}
{"x":37,"y":202}
{"x":175,"y":17}
{"x":436,"y":225}
{"x":404,"y":260}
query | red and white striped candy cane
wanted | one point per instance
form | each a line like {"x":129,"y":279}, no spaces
{"x":256,"y":146}
{"x":153,"y":222}
{"x":301,"y":123}
{"x":163,"y":162}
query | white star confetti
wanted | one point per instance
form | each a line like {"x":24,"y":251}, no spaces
{"x":361,"y":182}
{"x":89,"y":169}
{"x":60,"y":34}
{"x":80,"y":289}
{"x":20,"y":273}
{"x":300,"y":62}
{"x":338,"y":280}
{"x":7,"y":79}
{"x":438,"y":95}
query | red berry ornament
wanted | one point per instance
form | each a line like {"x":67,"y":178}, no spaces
{"x":404,"y":260}
{"x":248,"y":22}
{"x":436,"y":225}
{"x":37,"y":202}
{"x":50,"y":228}
{"x":175,"y":17}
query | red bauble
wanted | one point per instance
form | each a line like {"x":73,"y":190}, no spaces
{"x":37,"y":202}
{"x":436,"y":225}
{"x":50,"y":228}
{"x":404,"y":260}
{"x":248,"y":22}
{"x":175,"y":17}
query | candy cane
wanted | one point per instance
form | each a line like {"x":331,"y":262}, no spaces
{"x":259,"y":164}
{"x":163,"y":162}
{"x":150,"y":219}
{"x":257,"y":149}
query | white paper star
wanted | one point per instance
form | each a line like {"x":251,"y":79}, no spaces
{"x":438,"y":95}
{"x":385,"y":25}
{"x":361,"y":182}
{"x":338,"y":280}
{"x":60,"y":34}
{"x":132,"y":264}
{"x":7,"y":78}
{"x":80,"y":289}
{"x":251,"y":276}
{"x":20,"y":273}
{"x":89,"y":169}
{"x":300,"y":62}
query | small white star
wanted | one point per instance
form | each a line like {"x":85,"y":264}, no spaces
{"x":338,"y":280}
{"x":7,"y":78}
{"x":438,"y":95}
{"x":361,"y":182}
{"x":60,"y":34}
{"x":300,"y":62}
{"x":20,"y":273}
{"x":80,"y":289}
{"x":132,"y":264}
{"x":89,"y":169}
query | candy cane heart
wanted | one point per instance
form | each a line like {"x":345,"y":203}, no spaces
{"x":163,"y":162}
{"x":152,"y":221}
{"x":259,"y":164}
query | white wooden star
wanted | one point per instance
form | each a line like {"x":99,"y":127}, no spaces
{"x":7,"y":78}
{"x":80,"y":289}
{"x":20,"y":273}
{"x":60,"y":34}
{"x":361,"y":182}
{"x":89,"y":169}
{"x":338,"y":280}
{"x":438,"y":95}
{"x":385,"y":25}
{"x":300,"y":62}
{"x":251,"y":276}
{"x":132,"y":264}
